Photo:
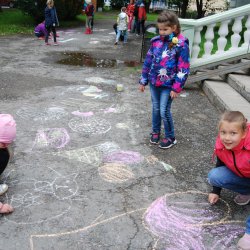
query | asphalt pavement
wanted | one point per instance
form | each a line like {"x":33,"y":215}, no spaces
{"x":84,"y":175}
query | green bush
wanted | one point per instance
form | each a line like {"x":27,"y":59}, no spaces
{"x":66,"y":9}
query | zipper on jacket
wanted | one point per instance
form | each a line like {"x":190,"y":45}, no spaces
{"x":235,"y":165}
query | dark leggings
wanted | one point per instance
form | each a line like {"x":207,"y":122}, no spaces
{"x":49,"y":29}
{"x":4,"y":159}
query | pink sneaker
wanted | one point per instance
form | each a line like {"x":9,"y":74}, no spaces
{"x":241,"y":199}
{"x":56,"y":44}
{"x":47,"y":44}
{"x":244,"y":242}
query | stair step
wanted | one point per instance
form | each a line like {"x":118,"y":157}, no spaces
{"x":224,"y":97}
{"x":240,"y":83}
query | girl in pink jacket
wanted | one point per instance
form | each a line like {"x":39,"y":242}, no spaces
{"x":232,"y":171}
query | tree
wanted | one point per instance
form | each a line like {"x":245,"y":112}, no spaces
{"x":66,"y":9}
{"x":200,"y":11}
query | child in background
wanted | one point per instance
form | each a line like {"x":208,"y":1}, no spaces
{"x":165,"y":69}
{"x":130,"y":13}
{"x":232,"y":171}
{"x":51,"y":21}
{"x":40,"y":30}
{"x":142,"y":17}
{"x":122,"y":26}
{"x":89,"y":11}
{"x":7,"y":135}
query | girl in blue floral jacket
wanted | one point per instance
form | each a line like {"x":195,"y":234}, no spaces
{"x":165,"y":69}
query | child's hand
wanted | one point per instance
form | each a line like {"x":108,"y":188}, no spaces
{"x":141,"y":88}
{"x":173,"y":94}
{"x":213,"y":198}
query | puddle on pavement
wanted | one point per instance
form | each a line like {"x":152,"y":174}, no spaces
{"x":83,"y":59}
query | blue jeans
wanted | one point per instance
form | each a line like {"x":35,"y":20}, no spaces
{"x":223,"y":177}
{"x":161,"y":110}
{"x":122,"y":32}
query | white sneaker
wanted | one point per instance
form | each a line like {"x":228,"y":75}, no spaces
{"x":3,"y":188}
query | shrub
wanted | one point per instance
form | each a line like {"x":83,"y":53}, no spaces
{"x":66,"y":9}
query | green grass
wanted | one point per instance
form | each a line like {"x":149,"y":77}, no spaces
{"x":13,"y":21}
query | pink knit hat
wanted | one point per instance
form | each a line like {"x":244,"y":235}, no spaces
{"x":7,"y":128}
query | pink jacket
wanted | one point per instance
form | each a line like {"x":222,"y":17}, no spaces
{"x":237,"y":159}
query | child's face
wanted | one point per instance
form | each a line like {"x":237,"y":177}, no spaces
{"x":231,"y":134}
{"x":165,"y":30}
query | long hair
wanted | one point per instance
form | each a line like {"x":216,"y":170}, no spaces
{"x":169,"y":18}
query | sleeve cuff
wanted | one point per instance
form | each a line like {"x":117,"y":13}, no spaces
{"x":216,"y":190}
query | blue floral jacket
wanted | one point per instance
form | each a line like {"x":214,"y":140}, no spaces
{"x":166,"y":65}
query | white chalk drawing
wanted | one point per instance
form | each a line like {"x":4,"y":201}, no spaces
{"x":91,"y":89}
{"x":82,"y":114}
{"x":67,"y":40}
{"x":162,"y":221}
{"x":94,"y":42}
{"x":115,"y":172}
{"x":40,"y":114}
{"x":90,"y":125}
{"x":89,"y":155}
{"x":183,"y":220}
{"x":96,"y":79}
{"x":122,"y":125}
{"x":51,"y":137}
{"x":52,"y":196}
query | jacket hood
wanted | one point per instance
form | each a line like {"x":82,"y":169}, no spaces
{"x":123,"y":15}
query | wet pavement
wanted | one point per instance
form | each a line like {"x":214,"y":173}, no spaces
{"x":84,"y":175}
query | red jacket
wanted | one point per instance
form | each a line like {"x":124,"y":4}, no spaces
{"x":237,"y":159}
{"x":142,"y":15}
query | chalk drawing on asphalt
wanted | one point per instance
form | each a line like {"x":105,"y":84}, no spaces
{"x":115,"y":172}
{"x":53,"y":195}
{"x":82,"y":114}
{"x":185,"y":220}
{"x":197,"y":220}
{"x":67,"y":40}
{"x":40,"y":114}
{"x":89,"y":155}
{"x":90,"y":125}
{"x":96,"y":79}
{"x":51,"y":137}
{"x":124,"y":157}
{"x":94,"y":42}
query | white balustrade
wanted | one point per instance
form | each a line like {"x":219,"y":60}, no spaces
{"x":193,"y":29}
{"x":237,"y":28}
{"x":208,"y":46}
{"x":223,"y":32}
{"x":196,"y":42}
{"x":247,"y":33}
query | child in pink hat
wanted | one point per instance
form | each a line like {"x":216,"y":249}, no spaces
{"x":7,"y":135}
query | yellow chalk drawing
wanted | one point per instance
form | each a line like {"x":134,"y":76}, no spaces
{"x":115,"y":172}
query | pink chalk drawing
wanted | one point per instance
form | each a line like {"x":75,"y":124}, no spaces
{"x":186,"y":221}
{"x":125,"y":157}
{"x":110,"y":110}
{"x":82,"y":114}
{"x":53,"y":137}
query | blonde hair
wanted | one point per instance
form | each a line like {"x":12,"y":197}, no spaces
{"x":234,"y":116}
{"x":50,"y":2}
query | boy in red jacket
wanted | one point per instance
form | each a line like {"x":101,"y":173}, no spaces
{"x":232,"y":171}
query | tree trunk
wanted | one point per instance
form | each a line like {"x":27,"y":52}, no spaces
{"x":184,"y":7}
{"x":199,"y":5}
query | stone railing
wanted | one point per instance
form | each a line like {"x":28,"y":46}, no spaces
{"x":225,"y":35}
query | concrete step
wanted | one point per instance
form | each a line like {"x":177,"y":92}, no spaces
{"x":241,"y":83}
{"x":224,"y":97}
